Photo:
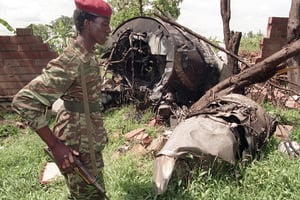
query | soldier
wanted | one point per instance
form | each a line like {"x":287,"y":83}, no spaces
{"x":62,"y":78}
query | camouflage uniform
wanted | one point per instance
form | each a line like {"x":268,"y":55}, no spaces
{"x":62,"y":78}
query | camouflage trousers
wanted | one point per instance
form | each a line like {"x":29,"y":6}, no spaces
{"x":70,"y":127}
{"x":78,"y":189}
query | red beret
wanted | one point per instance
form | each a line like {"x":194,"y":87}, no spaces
{"x":95,"y":7}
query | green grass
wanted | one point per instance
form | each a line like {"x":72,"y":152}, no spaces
{"x":22,"y":160}
{"x":129,"y":176}
{"x":287,"y":117}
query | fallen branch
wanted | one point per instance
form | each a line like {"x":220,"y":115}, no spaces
{"x":259,"y":72}
{"x":291,"y":91}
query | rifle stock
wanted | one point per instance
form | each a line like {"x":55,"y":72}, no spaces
{"x":82,"y":172}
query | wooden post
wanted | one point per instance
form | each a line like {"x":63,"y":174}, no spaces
{"x":231,"y":39}
{"x":293,"y":34}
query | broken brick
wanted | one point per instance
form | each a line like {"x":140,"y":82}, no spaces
{"x":282,"y":131}
{"x":131,"y":134}
{"x":138,"y":149}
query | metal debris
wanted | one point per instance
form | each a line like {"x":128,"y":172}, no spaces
{"x":291,"y":148}
{"x":230,"y":128}
{"x":159,"y":65}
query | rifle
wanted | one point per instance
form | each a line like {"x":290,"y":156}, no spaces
{"x":82,"y":172}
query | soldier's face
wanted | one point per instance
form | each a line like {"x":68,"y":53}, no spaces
{"x":100,"y":29}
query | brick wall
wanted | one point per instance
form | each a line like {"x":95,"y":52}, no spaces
{"x":276,"y":37}
{"x":22,"y":57}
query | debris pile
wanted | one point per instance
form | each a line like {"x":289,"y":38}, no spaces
{"x":231,"y":128}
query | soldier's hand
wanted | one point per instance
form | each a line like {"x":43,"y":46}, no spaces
{"x":64,"y":156}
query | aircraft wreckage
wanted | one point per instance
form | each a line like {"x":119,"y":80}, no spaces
{"x":151,"y":59}
{"x":156,"y":64}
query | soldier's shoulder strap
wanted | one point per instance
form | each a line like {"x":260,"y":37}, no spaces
{"x":88,"y":120}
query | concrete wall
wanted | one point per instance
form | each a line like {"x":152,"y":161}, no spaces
{"x":22,"y":57}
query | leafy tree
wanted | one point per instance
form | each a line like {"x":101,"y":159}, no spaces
{"x":168,"y":7}
{"x":40,"y":30}
{"x":61,"y":30}
{"x":57,"y":33}
{"x":124,"y":10}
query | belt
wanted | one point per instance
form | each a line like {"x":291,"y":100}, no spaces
{"x":75,"y":106}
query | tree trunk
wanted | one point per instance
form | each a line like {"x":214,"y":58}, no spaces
{"x":226,"y":15}
{"x":231,"y":40}
{"x":259,"y":72}
{"x":234,"y":45}
{"x":200,"y":37}
{"x":141,"y":7}
{"x":293,"y":34}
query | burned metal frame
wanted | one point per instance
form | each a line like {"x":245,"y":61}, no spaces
{"x":155,"y":59}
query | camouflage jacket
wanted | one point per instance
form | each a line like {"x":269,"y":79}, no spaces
{"x":61,"y":78}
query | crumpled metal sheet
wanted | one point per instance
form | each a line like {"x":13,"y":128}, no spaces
{"x":196,"y":135}
{"x":227,"y":128}
{"x":199,"y":135}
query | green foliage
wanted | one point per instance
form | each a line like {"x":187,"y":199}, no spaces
{"x":56,"y":34}
{"x":167,"y":7}
{"x":287,"y":117}
{"x":124,"y":10}
{"x":7,"y":130}
{"x":215,"y":41}
{"x":129,"y":176}
{"x":7,"y":126}
{"x":7,"y":26}
{"x":250,"y":42}
{"x":61,"y":31}
{"x":40,"y":30}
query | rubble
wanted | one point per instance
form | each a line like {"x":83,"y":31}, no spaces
{"x":137,"y":141}
{"x":293,"y":102}
{"x":50,"y":173}
{"x":283,"y":131}
{"x":133,"y":133}
{"x":291,"y":148}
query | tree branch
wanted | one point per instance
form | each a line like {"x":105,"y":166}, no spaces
{"x":174,"y":23}
{"x":259,"y":72}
